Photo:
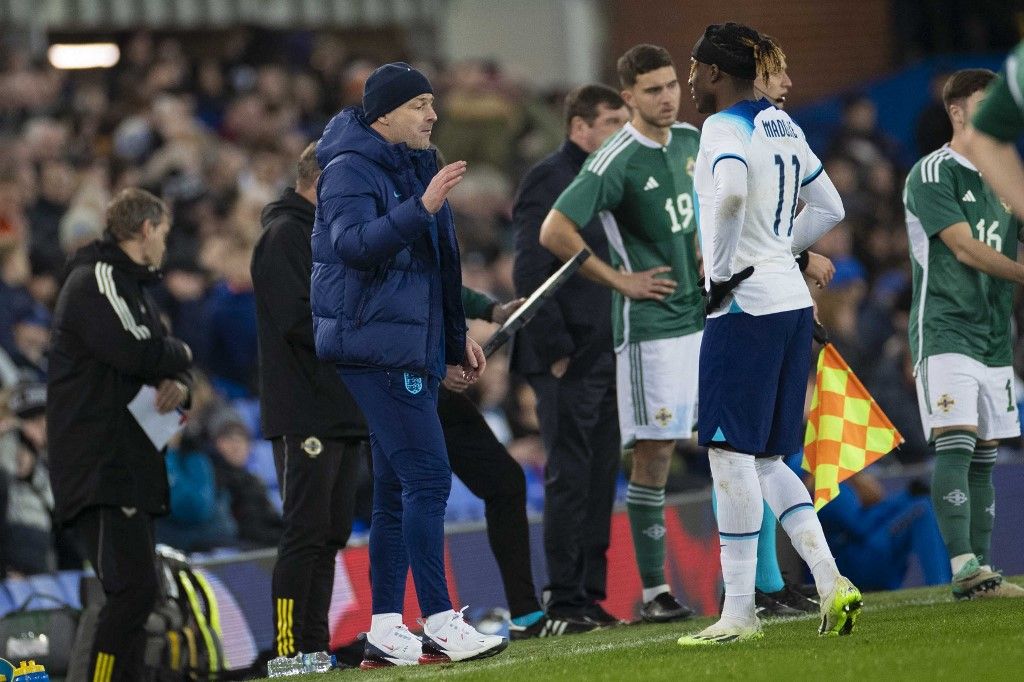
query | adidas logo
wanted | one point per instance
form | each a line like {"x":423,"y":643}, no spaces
{"x":969,"y":197}
{"x":651,"y":184}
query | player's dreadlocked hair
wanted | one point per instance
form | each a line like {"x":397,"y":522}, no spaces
{"x":739,"y":51}
{"x":770,"y":61}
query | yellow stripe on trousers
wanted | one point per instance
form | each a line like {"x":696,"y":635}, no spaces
{"x":285,"y":634}
{"x":104,"y":667}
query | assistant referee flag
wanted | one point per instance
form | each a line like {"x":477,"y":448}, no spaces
{"x":846,"y":429}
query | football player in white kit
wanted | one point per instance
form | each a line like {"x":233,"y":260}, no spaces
{"x":752,"y":169}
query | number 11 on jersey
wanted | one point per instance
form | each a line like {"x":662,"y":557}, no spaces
{"x":782,"y":193}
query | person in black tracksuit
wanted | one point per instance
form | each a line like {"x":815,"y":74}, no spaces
{"x":489,"y":471}
{"x":108,"y":477}
{"x":565,"y":353}
{"x":319,"y":436}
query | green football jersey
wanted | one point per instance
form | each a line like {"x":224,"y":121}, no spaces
{"x":643,"y":192}
{"x":957,"y":309}
{"x":1001,"y":114}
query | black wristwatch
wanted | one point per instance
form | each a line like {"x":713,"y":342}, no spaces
{"x":802,"y":259}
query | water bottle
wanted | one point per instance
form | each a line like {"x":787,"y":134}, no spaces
{"x":285,"y":666}
{"x":30,"y":672}
{"x":318,"y":662}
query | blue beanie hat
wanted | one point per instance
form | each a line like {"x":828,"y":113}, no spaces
{"x":391,"y":86}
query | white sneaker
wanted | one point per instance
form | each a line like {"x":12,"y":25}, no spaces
{"x":723,"y":632}
{"x":398,"y":647}
{"x":456,"y":640}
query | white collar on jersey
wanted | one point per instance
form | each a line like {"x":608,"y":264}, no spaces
{"x":959,"y":158}
{"x":643,"y":139}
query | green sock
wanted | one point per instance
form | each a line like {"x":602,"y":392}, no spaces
{"x":983,"y":501}
{"x":646,"y":508}
{"x":950,"y":489}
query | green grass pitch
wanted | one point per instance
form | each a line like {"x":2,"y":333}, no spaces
{"x":916,"y":634}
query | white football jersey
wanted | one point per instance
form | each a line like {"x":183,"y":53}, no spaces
{"x":779,"y":163}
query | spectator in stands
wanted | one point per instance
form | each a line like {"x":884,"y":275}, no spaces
{"x":108,"y":477}
{"x":259,"y":524}
{"x":200,"y":518}
{"x":932,"y":128}
{"x":859,"y":136}
{"x":31,"y":335}
{"x":874,"y":535}
{"x":230,"y":315}
{"x":27,"y":534}
{"x":57,"y":181}
{"x":14,"y":297}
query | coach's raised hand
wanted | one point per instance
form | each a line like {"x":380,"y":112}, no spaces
{"x":645,"y":284}
{"x":441,"y":184}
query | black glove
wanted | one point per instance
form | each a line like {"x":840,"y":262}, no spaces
{"x":820,"y":334}
{"x":719,"y":290}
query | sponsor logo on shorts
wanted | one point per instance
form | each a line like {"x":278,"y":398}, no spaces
{"x":413,"y":383}
{"x":312,"y":446}
{"x":955,"y":497}
{"x":945,"y":402}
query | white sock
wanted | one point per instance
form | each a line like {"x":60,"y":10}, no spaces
{"x":383,"y":623}
{"x":959,"y":561}
{"x":791,"y":503}
{"x":740,"y":510}
{"x":437,"y":621}
{"x":652,"y":592}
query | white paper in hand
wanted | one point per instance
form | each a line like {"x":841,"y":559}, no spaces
{"x":159,"y":427}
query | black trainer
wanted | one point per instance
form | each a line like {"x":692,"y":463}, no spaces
{"x":664,"y":609}
{"x":767,"y":606}
{"x":797,"y":599}
{"x":551,"y":626}
{"x":606,"y":620}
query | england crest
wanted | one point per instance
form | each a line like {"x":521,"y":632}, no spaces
{"x":413,"y":383}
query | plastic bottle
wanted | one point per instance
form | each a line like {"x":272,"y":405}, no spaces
{"x":30,"y":672}
{"x":285,"y":666}
{"x":316,"y":662}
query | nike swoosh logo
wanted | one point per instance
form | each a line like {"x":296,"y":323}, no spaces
{"x":442,"y":639}
{"x":397,"y":195}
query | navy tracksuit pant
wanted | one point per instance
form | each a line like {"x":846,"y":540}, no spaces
{"x":411,"y":482}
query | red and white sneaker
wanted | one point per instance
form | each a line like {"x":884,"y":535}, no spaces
{"x":398,"y":647}
{"x":457,"y":640}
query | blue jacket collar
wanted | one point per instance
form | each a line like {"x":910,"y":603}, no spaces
{"x":348,"y":131}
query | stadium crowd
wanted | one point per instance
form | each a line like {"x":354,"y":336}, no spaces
{"x":217,"y":137}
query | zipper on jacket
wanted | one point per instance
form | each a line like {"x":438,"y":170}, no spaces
{"x":378,"y":278}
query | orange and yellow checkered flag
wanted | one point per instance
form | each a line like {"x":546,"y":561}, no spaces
{"x":846,"y":429}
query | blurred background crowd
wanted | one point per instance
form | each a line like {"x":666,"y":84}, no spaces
{"x":214,"y":123}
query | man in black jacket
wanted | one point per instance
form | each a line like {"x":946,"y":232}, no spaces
{"x":108,"y":477}
{"x":317,"y":431}
{"x":566,"y":355}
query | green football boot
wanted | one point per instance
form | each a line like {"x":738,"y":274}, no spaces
{"x":840,"y":608}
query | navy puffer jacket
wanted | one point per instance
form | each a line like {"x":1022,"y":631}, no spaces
{"x":381,"y":296}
